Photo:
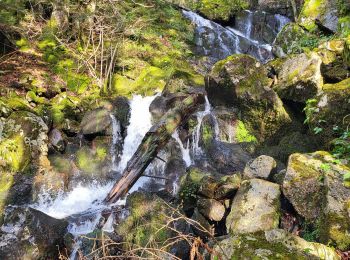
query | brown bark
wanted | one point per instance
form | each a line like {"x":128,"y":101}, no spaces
{"x":155,"y":139}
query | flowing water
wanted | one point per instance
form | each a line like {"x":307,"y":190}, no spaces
{"x":252,"y":33}
{"x":83,"y":204}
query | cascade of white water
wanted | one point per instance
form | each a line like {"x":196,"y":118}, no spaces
{"x":140,"y":123}
{"x":184,"y":150}
{"x":88,"y":197}
{"x":116,"y":137}
{"x":196,"y":149}
{"x":249,"y":24}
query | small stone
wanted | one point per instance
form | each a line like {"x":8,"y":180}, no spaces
{"x":211,"y":209}
{"x":261,"y":167}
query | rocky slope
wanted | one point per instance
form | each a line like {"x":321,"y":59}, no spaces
{"x":261,"y":170}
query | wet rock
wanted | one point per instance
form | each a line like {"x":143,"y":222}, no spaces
{"x":255,"y":207}
{"x":227,"y":158}
{"x":272,"y":244}
{"x":299,"y":77}
{"x":206,"y":230}
{"x":33,"y":234}
{"x":241,"y":81}
{"x":175,"y":169}
{"x":158,"y":107}
{"x":261,"y":167}
{"x":277,"y":7}
{"x":211,"y":209}
{"x":56,"y":141}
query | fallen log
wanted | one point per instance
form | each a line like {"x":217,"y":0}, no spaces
{"x":154,"y":140}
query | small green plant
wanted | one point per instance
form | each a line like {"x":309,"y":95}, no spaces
{"x":189,"y":191}
{"x":310,"y":232}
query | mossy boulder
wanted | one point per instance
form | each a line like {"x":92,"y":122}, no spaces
{"x":314,"y":185}
{"x":24,"y":137}
{"x":256,"y":207}
{"x":242,"y":82}
{"x":330,"y":109}
{"x":288,"y":40}
{"x":272,"y":244}
{"x":321,"y":13}
{"x":147,"y":224}
{"x":303,"y":185}
{"x":299,"y":77}
{"x":290,"y":143}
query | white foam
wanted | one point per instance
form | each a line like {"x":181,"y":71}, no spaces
{"x":81,"y":198}
{"x":140,"y":123}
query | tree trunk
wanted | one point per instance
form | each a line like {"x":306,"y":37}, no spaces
{"x":155,"y":139}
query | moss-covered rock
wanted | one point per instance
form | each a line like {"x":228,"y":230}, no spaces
{"x":24,"y":137}
{"x":303,"y":185}
{"x":323,"y":11}
{"x":314,"y":185}
{"x":272,"y":244}
{"x":289,"y":40}
{"x":330,"y":109}
{"x":241,"y":81}
{"x":255,"y":207}
{"x":299,"y":77}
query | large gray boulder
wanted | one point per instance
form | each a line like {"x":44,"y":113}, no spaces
{"x":299,"y":77}
{"x":255,"y":207}
{"x":241,"y":81}
{"x":314,"y":185}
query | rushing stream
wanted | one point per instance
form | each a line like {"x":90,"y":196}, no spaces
{"x":83,"y":204}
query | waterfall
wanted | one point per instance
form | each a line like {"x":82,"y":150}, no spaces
{"x":217,"y":42}
{"x":140,"y":123}
{"x":116,"y":137}
{"x":196,"y":149}
{"x":88,"y":198}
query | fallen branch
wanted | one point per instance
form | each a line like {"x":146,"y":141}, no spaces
{"x":155,"y":139}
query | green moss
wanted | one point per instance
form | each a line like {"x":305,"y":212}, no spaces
{"x":14,"y":153}
{"x":310,"y":11}
{"x":221,"y":9}
{"x":243,"y":135}
{"x":60,"y":164}
{"x":6,"y":181}
{"x":23,"y":44}
{"x":344,"y":26}
{"x":87,"y":160}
